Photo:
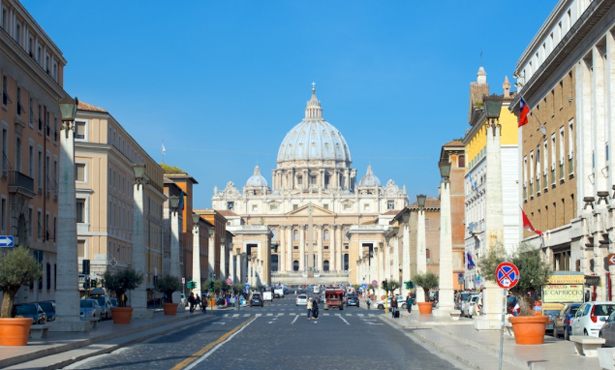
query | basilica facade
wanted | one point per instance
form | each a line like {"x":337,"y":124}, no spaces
{"x":300,"y":225}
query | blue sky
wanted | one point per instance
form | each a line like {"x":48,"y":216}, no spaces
{"x":222,"y":82}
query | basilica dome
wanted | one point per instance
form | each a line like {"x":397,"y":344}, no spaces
{"x":314,"y":139}
{"x":369,"y":179}
{"x":257,"y":179}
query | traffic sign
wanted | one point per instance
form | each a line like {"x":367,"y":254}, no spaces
{"x":247,"y":286}
{"x":6,"y":241}
{"x":507,"y":275}
{"x":183,"y":280}
{"x":364,"y":286}
{"x":229,"y":281}
{"x":375,"y":283}
{"x":611,"y":259}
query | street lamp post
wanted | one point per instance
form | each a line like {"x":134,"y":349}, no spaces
{"x":67,"y":293}
{"x":138,"y":296}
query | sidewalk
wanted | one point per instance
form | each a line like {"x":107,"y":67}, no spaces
{"x":480,"y":349}
{"x":62,"y":348}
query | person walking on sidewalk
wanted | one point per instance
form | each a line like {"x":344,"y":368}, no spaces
{"x":409,"y":302}
{"x":369,"y":302}
{"x":315,"y":309}
{"x":192,"y":301}
{"x":393,"y":306}
{"x":309,"y":308}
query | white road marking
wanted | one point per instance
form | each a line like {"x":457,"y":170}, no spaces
{"x":246,"y":315}
{"x":225,"y":315}
{"x":296,"y":317}
{"x":258,"y":315}
{"x":236,"y":315}
{"x":270,"y":314}
{"x":360,"y":315}
{"x":343,"y":319}
{"x":219,"y":322}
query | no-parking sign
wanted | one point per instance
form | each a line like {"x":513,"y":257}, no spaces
{"x":506,"y":275}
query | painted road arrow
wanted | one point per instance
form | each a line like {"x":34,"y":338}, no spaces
{"x":6,"y":241}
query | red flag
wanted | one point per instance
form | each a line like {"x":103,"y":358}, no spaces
{"x":524,"y":110}
{"x":528,"y":225}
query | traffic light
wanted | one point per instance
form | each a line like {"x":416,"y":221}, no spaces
{"x":384,"y":284}
{"x":191,"y":284}
{"x":93,"y":283}
{"x":211,"y":286}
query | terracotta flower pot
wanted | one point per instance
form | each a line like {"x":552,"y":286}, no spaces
{"x":425,"y":307}
{"x":529,"y":329}
{"x":122,"y":315}
{"x":170,"y":309}
{"x":15,"y":331}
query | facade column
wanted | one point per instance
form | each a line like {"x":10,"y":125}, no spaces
{"x":231,"y":265}
{"x":421,"y":259}
{"x":196,"y":257}
{"x":302,"y":265}
{"x":211,"y":256}
{"x":386,"y":255}
{"x":332,"y":236}
{"x":395,"y":245}
{"x":67,"y":280}
{"x":340,"y":248}
{"x":223,"y":260}
{"x":289,"y":248}
{"x":238,"y":266}
{"x":138,"y":297}
{"x":320,"y":248}
{"x":282,"y":249}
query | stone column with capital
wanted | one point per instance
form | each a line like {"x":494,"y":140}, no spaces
{"x":222,"y":276}
{"x":174,"y":269}
{"x":421,"y":258}
{"x":320,"y":248}
{"x":406,"y":273}
{"x":289,"y":248}
{"x":231,"y":265}
{"x":138,"y":296}
{"x":281,"y":249}
{"x":446,"y":294}
{"x":67,"y":280}
{"x":211,"y":256}
{"x":196,"y":258}
{"x":239,"y":266}
{"x":332,"y":259}
{"x":302,"y":264}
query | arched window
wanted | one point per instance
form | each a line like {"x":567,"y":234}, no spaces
{"x":325,"y":265}
{"x":296,"y":235}
{"x":427,"y":254}
{"x":295,"y":265}
{"x":326,"y":235}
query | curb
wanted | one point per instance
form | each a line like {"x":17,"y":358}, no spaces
{"x":86,"y":342}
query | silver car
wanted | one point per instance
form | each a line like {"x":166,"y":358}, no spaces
{"x":301,"y":300}
{"x":89,"y":308}
{"x":105,"y":306}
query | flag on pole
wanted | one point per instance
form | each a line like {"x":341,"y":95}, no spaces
{"x":180,"y":206}
{"x":524,"y":110}
{"x":474,"y":186}
{"x":528,"y":225}
{"x":164,"y":150}
{"x":470,"y":261}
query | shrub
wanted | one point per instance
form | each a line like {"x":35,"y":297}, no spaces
{"x":17,"y":267}
{"x":122,"y":281}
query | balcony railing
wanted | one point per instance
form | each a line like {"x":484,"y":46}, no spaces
{"x":19,"y":182}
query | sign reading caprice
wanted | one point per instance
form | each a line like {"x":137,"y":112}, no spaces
{"x":562,"y":293}
{"x":564,"y":287}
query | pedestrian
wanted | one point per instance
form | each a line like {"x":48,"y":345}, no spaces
{"x":197,"y":300}
{"x":191,"y":300}
{"x":315,"y":309}
{"x":369,"y":301}
{"x":309,"y":308}
{"x":393,"y":306}
{"x":409,"y":302}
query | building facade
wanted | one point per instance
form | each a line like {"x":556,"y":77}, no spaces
{"x":32,"y":79}
{"x":314,"y":180}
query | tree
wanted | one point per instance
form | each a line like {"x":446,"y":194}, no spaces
{"x":168,"y":284}
{"x":427,"y":281}
{"x":392,"y":286}
{"x":238,"y":287}
{"x":17,"y":267}
{"x":122,"y":281}
{"x":534,"y":273}
{"x":372,"y":288}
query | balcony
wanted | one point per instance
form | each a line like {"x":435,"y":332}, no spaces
{"x":22,"y":184}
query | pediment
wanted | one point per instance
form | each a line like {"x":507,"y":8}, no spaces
{"x":316,"y":211}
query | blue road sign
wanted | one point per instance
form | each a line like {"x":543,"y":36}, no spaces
{"x":247,"y":286}
{"x":364,"y":286}
{"x":6,"y":241}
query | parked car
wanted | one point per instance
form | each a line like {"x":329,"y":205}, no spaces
{"x":590,"y":317}
{"x":471,"y":306}
{"x":105,"y":306}
{"x":608,"y":331}
{"x":401,"y":303}
{"x":301,"y":300}
{"x":256,"y":300}
{"x":31,"y":310}
{"x":50,"y":310}
{"x":90,"y":308}
{"x":561,"y":324}
{"x":352,"y":300}
{"x":462,"y":297}
{"x":113,"y":302}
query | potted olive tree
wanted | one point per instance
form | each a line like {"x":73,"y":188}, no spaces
{"x":17,"y":267}
{"x":168,"y":284}
{"x":120,"y":282}
{"x":534,"y":273}
{"x":427,"y":281}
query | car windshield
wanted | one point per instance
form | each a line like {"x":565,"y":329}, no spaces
{"x":85,"y":303}
{"x":25,"y":309}
{"x":46,"y":306}
{"x":101,"y":301}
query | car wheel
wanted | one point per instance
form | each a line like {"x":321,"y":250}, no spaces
{"x":404,"y":306}
{"x":380,"y":307}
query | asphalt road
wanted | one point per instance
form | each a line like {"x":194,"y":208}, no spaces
{"x":278,"y":336}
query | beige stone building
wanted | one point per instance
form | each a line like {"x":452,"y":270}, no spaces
{"x":314,"y":201}
{"x":31,"y":82}
{"x":105,"y":155}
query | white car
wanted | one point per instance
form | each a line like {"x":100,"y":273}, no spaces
{"x":401,"y":303}
{"x":89,"y":308}
{"x":590,"y":317}
{"x":301,"y":300}
{"x":472,"y":305}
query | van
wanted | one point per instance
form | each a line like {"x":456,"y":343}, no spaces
{"x":278,"y":293}
{"x":267,"y":296}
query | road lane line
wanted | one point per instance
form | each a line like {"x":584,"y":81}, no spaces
{"x":202,"y":354}
{"x":343,"y":319}
{"x":296,"y":317}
